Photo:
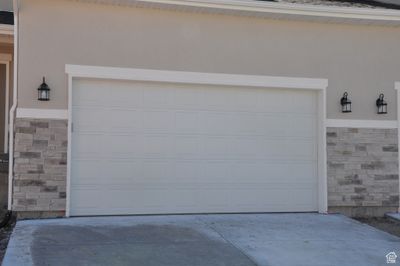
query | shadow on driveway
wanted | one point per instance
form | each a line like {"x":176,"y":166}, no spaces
{"x":149,"y":245}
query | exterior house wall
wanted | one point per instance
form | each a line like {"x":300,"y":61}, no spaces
{"x":363,"y":60}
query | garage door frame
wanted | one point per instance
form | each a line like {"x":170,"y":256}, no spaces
{"x":131,"y":74}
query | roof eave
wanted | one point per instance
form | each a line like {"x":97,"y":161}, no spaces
{"x":271,"y":10}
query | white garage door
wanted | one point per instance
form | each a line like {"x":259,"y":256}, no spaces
{"x":156,"y":148}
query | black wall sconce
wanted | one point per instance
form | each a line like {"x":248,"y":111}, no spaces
{"x":346,"y":103}
{"x":44,"y":91}
{"x":381,"y":104}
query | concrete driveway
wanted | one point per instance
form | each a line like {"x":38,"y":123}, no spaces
{"x":191,"y":240}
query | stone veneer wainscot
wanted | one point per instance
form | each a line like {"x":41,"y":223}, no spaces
{"x":363,"y":171}
{"x":40,"y":165}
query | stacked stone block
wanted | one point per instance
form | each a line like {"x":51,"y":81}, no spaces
{"x":40,"y":165}
{"x":363,"y":168}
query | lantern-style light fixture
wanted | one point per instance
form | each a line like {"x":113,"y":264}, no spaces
{"x":346,"y":103}
{"x":44,"y":91}
{"x":381,"y":104}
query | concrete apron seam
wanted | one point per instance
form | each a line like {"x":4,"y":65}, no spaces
{"x":227,"y":241}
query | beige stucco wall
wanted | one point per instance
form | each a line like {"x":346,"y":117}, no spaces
{"x":363,"y":60}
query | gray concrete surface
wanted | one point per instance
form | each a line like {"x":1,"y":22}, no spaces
{"x":245,"y":239}
{"x":393,"y":215}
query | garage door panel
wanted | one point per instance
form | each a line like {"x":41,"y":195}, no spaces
{"x":280,"y":194}
{"x":187,"y":147}
{"x":229,"y":172}
{"x":303,"y":102}
{"x":158,"y":120}
{"x":126,"y":97}
{"x":90,"y":94}
{"x":112,"y":118}
{"x":216,"y":147}
{"x":305,"y":126}
{"x":277,"y":172}
{"x":303,"y":171}
{"x":187,"y":122}
{"x":86,"y":197}
{"x":102,"y":172}
{"x":216,"y":123}
{"x":88,"y":145}
{"x":215,"y":171}
{"x":156,"y":170}
{"x":158,"y":146}
{"x":90,"y":119}
{"x":245,"y":147}
{"x":157,"y":97}
{"x":275,"y":101}
{"x":187,"y":98}
{"x":100,"y":94}
{"x":217,"y":100}
{"x":300,"y":102}
{"x":288,"y":125}
{"x":245,"y":123}
{"x":301,"y":148}
{"x":88,"y":172}
{"x":274,"y":125}
{"x":275,"y":148}
{"x":128,"y":170}
{"x":183,"y":169}
{"x":122,"y":146}
{"x":148,"y":148}
{"x":289,"y":149}
{"x":246,"y":100}
{"x":209,"y":199}
{"x":136,"y":197}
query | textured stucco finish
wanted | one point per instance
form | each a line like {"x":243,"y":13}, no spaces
{"x":40,"y":165}
{"x":362,"y":167}
{"x":362,"y":60}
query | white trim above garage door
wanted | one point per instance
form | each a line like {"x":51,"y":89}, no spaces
{"x":174,"y":77}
